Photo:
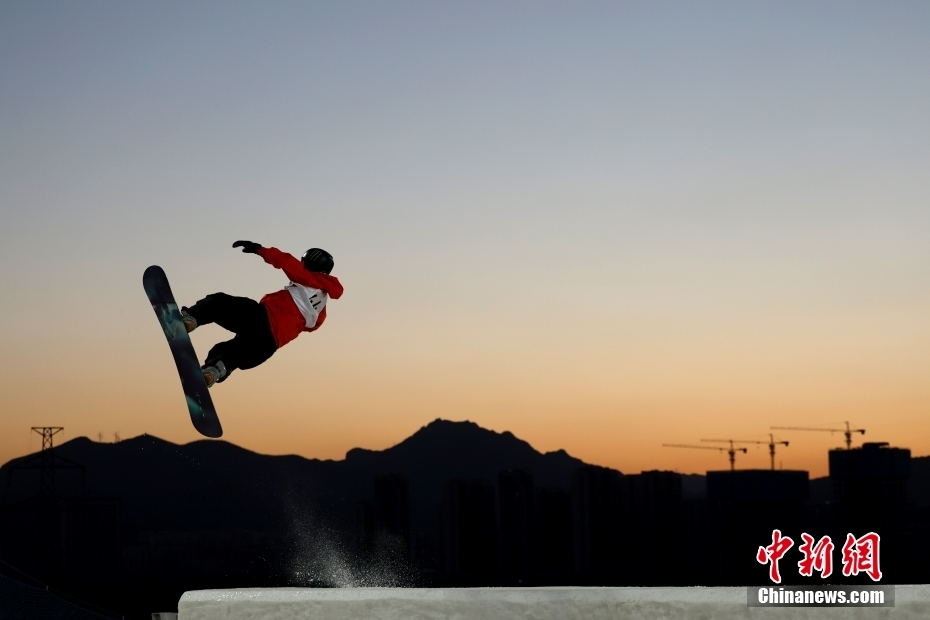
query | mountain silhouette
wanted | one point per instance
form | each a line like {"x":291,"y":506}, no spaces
{"x":445,"y":450}
{"x":212,"y":484}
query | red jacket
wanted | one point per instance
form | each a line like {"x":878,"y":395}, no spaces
{"x":301,"y":305}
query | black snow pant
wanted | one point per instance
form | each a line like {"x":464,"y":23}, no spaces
{"x":254,"y":342}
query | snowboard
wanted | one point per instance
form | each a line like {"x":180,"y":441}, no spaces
{"x":199,"y":403}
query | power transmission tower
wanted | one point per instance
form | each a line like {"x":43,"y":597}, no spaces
{"x":47,"y":503}
{"x":47,"y":462}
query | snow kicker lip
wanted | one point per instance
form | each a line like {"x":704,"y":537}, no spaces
{"x":548,"y":603}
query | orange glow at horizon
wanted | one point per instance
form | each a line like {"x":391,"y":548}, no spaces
{"x":604,"y":408}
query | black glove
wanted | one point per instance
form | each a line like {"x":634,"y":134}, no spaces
{"x":248,"y":247}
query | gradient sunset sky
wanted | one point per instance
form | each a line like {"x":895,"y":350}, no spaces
{"x":600,"y":226}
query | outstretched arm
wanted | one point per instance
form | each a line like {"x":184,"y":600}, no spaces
{"x":293,"y":268}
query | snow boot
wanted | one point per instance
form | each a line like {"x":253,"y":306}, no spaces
{"x":213,"y":373}
{"x":190,"y":323}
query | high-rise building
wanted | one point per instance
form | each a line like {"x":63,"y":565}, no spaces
{"x":744,"y":507}
{"x":553,"y":552}
{"x":515,"y":520}
{"x":870,"y":495}
{"x":598,"y":525}
{"x":364,"y":529}
{"x":655,"y":509}
{"x":469,"y":552}
{"x":392,"y":510}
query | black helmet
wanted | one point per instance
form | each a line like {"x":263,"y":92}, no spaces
{"x":317,"y":260}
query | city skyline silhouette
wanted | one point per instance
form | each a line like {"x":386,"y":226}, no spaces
{"x":452,"y":505}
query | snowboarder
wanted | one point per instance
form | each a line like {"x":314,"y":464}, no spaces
{"x":263,"y":327}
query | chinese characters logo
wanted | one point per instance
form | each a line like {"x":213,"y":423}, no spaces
{"x":860,"y":555}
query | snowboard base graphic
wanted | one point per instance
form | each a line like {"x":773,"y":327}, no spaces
{"x":199,"y":403}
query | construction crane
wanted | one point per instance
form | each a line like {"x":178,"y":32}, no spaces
{"x":732,"y":451}
{"x":848,"y":431}
{"x":771,"y":443}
